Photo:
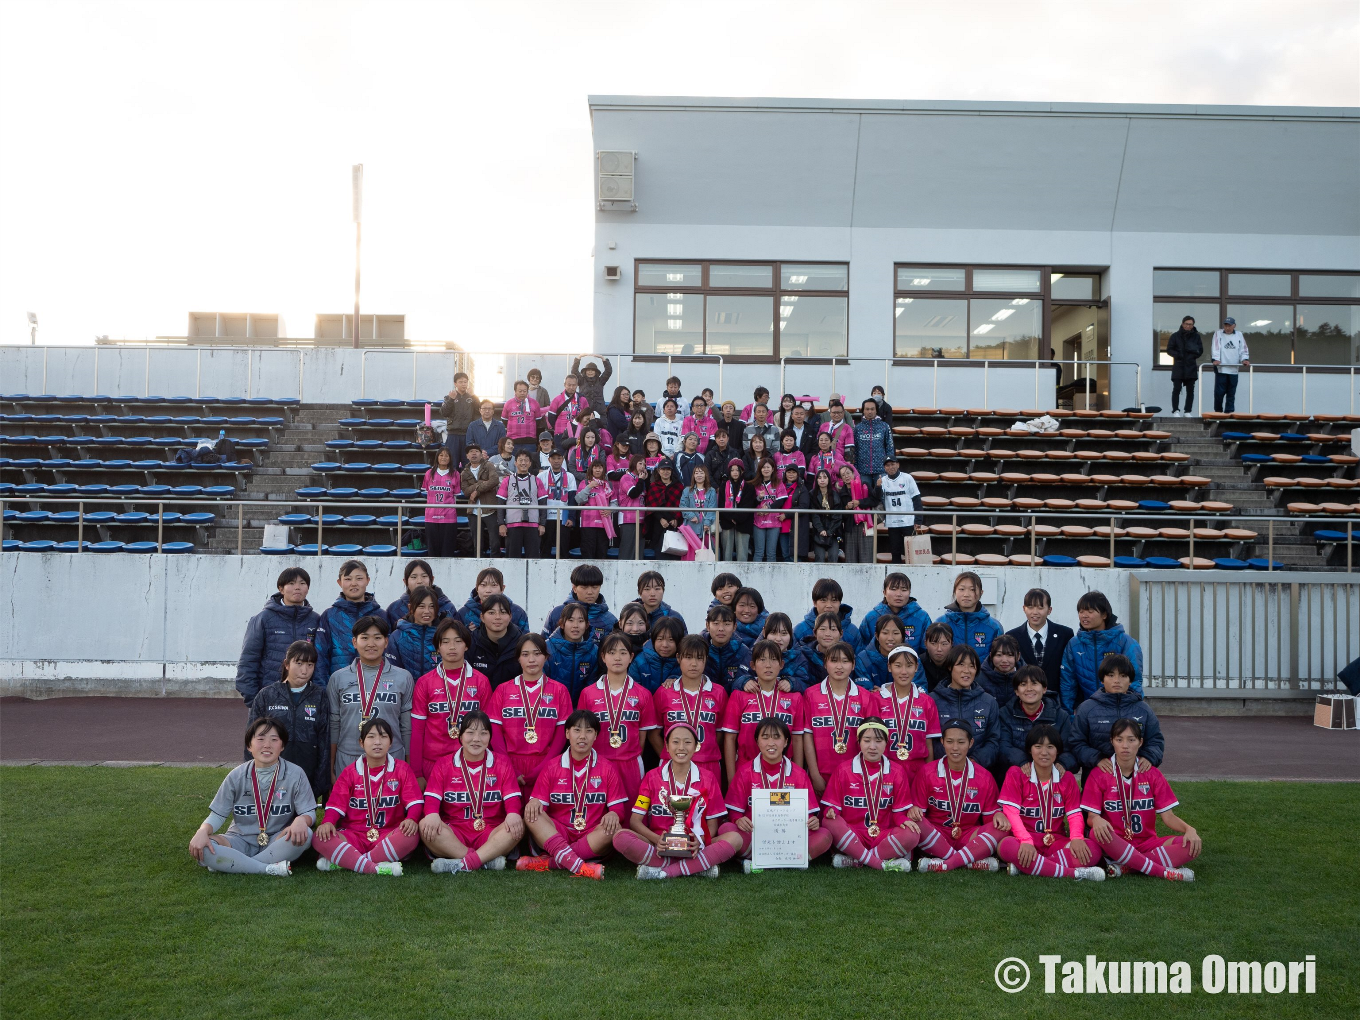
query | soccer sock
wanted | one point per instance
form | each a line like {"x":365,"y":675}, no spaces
{"x":895,"y":843}
{"x":395,"y":846}
{"x":339,"y":851}
{"x":471,"y":861}
{"x":846,"y":841}
{"x":582,"y":849}
{"x":745,"y":837}
{"x":1069,"y":859}
{"x":1048,"y":867}
{"x":819,"y":842}
{"x":562,"y":854}
{"x":231,"y":860}
{"x":713,"y":854}
{"x":1172,"y":853}
{"x":634,"y":847}
{"x":932,"y":840}
{"x":980,"y":844}
{"x":1121,"y":852}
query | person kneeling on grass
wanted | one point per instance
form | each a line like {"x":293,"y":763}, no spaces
{"x":956,"y":800}
{"x":651,"y":817}
{"x":577,"y":804}
{"x":866,"y":806}
{"x":1045,"y":796}
{"x":373,"y":809}
{"x":271,"y":807}
{"x":770,"y":770}
{"x":472,"y":804}
{"x":1123,"y":806}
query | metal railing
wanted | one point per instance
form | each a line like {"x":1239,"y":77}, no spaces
{"x":1250,"y":372}
{"x":148,"y":349}
{"x":1289,"y":633}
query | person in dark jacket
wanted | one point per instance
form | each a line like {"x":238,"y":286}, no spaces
{"x":963,"y":699}
{"x":735,"y":492}
{"x":898,"y":602}
{"x":635,"y":625}
{"x":779,"y":629}
{"x":572,"y":651}
{"x":729,"y":661}
{"x":968,"y":618}
{"x":934,"y":650}
{"x":793,"y":538}
{"x":413,"y":640}
{"x":334,"y":637}
{"x":657,"y":661}
{"x":1101,"y":634}
{"x":286,"y":617}
{"x":1115,"y":700}
{"x":490,"y":581}
{"x":635,"y":434}
{"x":1184,"y":347}
{"x":730,"y":422}
{"x":663,"y":490}
{"x":828,"y":597}
{"x":592,"y":381}
{"x":826,"y":528}
{"x":872,"y":660}
{"x":418,"y":574}
{"x":719,"y":455}
{"x":493,"y":652}
{"x":1042,"y":642}
{"x":305,"y":710}
{"x":586,"y":581}
{"x":460,"y":411}
{"x":487,"y":431}
{"x":651,"y":589}
{"x":997,"y":676}
{"x":1030,"y":706}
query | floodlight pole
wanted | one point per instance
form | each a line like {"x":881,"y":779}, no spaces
{"x":357,"y":178}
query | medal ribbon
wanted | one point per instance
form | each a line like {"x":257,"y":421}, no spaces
{"x":902,"y":721}
{"x":370,"y":801}
{"x":455,"y":703}
{"x":767,"y":711}
{"x":690,"y":717}
{"x":578,"y":798}
{"x":366,"y":700}
{"x":838,"y":720}
{"x":956,"y":805}
{"x":474,"y":798}
{"x":1126,"y":795}
{"x":777,"y":783}
{"x":871,"y":791}
{"x":262,"y":813}
{"x":613,"y":714}
{"x":530,"y":710}
{"x":1045,"y":806}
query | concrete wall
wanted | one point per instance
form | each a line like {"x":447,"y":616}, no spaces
{"x":153,"y":625}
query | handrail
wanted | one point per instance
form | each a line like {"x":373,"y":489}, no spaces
{"x":1251,"y":367}
{"x":198,"y":365}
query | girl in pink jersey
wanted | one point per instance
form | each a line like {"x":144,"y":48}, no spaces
{"x":651,"y":816}
{"x":913,"y":721}
{"x":770,"y":770}
{"x":865,"y":806}
{"x":1124,"y":804}
{"x":956,"y":807}
{"x":472,"y":804}
{"x":578,"y":805}
{"x":443,"y":696}
{"x":373,"y":810}
{"x":789,"y":454}
{"x":835,"y":708}
{"x":695,"y":699}
{"x":747,"y":710}
{"x":529,"y":714}
{"x":625,"y":710}
{"x":1046,"y":800}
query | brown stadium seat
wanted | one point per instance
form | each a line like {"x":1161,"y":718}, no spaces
{"x":1076,"y":531}
{"x":1142,"y":534}
{"x":1186,"y":506}
{"x":958,"y":559}
{"x":1209,"y":535}
{"x":978,"y":530}
{"x":1093,"y":561}
{"x":996,"y":503}
{"x":954,"y":477}
{"x":991,"y":560}
{"x":984,"y":477}
{"x":924,"y":476}
{"x":1025,"y":560}
{"x":1091,"y":506}
{"x":1213,"y":506}
{"x":1200,"y":563}
{"x":1075,"y":479}
{"x":1123,"y":506}
{"x":1027,"y":503}
{"x":1011,"y":531}
{"x":1103,"y":531}
{"x":1196,"y":481}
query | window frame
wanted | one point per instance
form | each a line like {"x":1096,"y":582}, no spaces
{"x":774,"y":292}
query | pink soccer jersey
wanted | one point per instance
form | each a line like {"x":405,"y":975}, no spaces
{"x":847,"y":793}
{"x":973,"y":790}
{"x":635,"y":711}
{"x":703,"y":709}
{"x":396,"y":792}
{"x":920,"y":714}
{"x":744,"y":712}
{"x":823,"y":710}
{"x":521,"y":417}
{"x":433,"y":714}
{"x":1150,"y":796}
{"x":509,"y":710}
{"x":758,"y":775}
{"x":1061,"y":798}
{"x":699,"y":784}
{"x":593,"y":784}
{"x":447,"y":790}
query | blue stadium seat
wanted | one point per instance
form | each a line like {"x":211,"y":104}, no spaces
{"x":1059,"y":561}
{"x":380,"y":550}
{"x":360,"y":520}
{"x":1153,"y":505}
{"x":361,"y":402}
{"x":139,"y":547}
{"x":42,"y":545}
{"x":11,"y":545}
{"x":294,"y":519}
{"x":219,"y":491}
{"x":379,"y":423}
{"x":30,"y":489}
{"x":310,"y":492}
{"x":64,"y":490}
{"x":123,"y":491}
{"x":86,"y":465}
{"x":325,"y":467}
{"x":1328,"y":535}
{"x":1130,"y":562}
{"x":252,"y":444}
{"x":155,"y":491}
{"x":276,"y":550}
{"x":65,"y":517}
{"x":339,"y":444}
{"x":391,"y":402}
{"x":1314,"y":458}
{"x":1256,"y":458}
{"x":133,"y":517}
{"x":101,"y":517}
{"x":327,"y":519}
{"x":367,"y":444}
{"x":405,"y":494}
{"x":371,"y":494}
{"x":1237,"y":436}
{"x":34,"y":516}
{"x":346,"y":549}
{"x":186,"y":491}
{"x":398,"y":444}
{"x":357,"y":465}
{"x":174,"y":548}
{"x":198,"y":518}
{"x":342,"y":492}
{"x":1262,"y":563}
{"x":1230,"y":563}
{"x":351,"y":423}
{"x":106,"y":547}
{"x":1163,"y":563}
{"x":386,"y":467}
{"x":93,"y":489}
{"x":72,"y":546}
{"x":309,"y":549}
{"x":389,"y":520}
{"x":408,"y":551}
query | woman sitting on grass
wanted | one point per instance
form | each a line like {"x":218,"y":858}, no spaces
{"x":866,"y":805}
{"x":770,"y":770}
{"x":271,"y":807}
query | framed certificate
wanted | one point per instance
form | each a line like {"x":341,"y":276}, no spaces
{"x":779,"y":828}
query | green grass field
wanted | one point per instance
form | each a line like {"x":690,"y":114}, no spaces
{"x":104,"y":914}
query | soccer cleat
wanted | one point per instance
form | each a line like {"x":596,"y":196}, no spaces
{"x":279,"y":869}
{"x":533,"y":864}
{"x":749,"y":869}
{"x":644,"y":872}
{"x":898,"y":864}
{"x":844,"y":861}
{"x":1089,"y":874}
{"x":1180,"y":874}
{"x":1113,"y":870}
{"x":589,"y":870}
{"x":712,"y":872}
{"x":326,"y":864}
{"x":392,"y":868}
{"x":495,"y":864}
{"x":1013,"y":870}
{"x":447,"y":865}
{"x":986,"y":864}
{"x":930,"y":864}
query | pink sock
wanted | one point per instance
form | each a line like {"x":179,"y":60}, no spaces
{"x":1069,"y":859}
{"x":471,"y":861}
{"x":634,"y":847}
{"x":745,"y":837}
{"x":895,"y":843}
{"x":562,"y":854}
{"x":1047,"y":867}
{"x":845,"y":839}
{"x":395,"y":846}
{"x":819,"y":842}
{"x":582,"y":849}
{"x":341,"y":852}
{"x":1121,"y":852}
{"x":980,"y":844}
{"x":713,"y":854}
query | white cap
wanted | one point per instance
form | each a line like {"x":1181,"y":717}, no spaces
{"x":903,"y":650}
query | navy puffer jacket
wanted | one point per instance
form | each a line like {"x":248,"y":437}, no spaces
{"x":412,"y":647}
{"x":268,"y":635}
{"x":335,"y":637}
{"x":471,"y":613}
{"x":397,"y":611}
{"x":572,"y":663}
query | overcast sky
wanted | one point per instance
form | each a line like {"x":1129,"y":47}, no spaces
{"x":157,"y":158}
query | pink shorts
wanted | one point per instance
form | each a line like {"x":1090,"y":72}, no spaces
{"x":470,"y":837}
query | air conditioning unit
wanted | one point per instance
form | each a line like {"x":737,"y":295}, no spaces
{"x":613,"y":273}
{"x":615,"y":178}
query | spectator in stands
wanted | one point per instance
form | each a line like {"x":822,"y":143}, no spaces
{"x":1116,"y":699}
{"x":418,"y":574}
{"x":630,"y":492}
{"x":1101,"y":634}
{"x":592,"y":382}
{"x":369,"y":685}
{"x":636,"y":433}
{"x":567,"y":404}
{"x":639,"y":403}
{"x":1042,"y":642}
{"x":1028,"y":708}
{"x":303,"y":707}
{"x":804,"y":432}
{"x":783,"y":418}
{"x":663,"y":492}
{"x":828,"y":597}
{"x":968,"y":618}
{"x":731,"y":423}
{"x":287,"y":618}
{"x":441,"y":487}
{"x":536,"y":389}
{"x":619,"y":411}
{"x":546,"y":446}
{"x":616,"y":461}
{"x":840,"y":430}
{"x":520,"y":520}
{"x":585,"y":453}
{"x":737,"y":492}
{"x":651,"y":589}
{"x":334,"y":637}
{"x":1184,"y":347}
{"x":494,"y":643}
{"x":825,"y":459}
{"x":859,"y":529}
{"x":413,"y":637}
{"x":479,"y":481}
{"x":487,"y":431}
{"x":761,"y":398}
{"x":897,"y":601}
{"x":522,"y":415}
{"x":697,"y":503}
{"x":560,"y":486}
{"x":873,"y":442}
{"x":595,"y":495}
{"x":793,"y":532}
{"x":700,"y":422}
{"x":460,"y":411}
{"x":885,"y":411}
{"x":719,"y":454}
{"x":504,"y":459}
{"x":586,"y":581}
{"x":938,"y":641}
{"x":758,"y":450}
{"x":897,"y":492}
{"x":827,"y":526}
{"x":1230,"y":355}
{"x":669,"y":427}
{"x":672,"y":392}
{"x":770,"y":494}
{"x":761,"y":426}
{"x":963,"y":699}
{"x":788,"y":454}
{"x":490,"y":581}
{"x":688,"y":457}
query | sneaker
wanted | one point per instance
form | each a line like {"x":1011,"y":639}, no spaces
{"x":930,"y":864}
{"x":325,"y":864}
{"x":1178,"y":414}
{"x":1113,"y":870}
{"x":392,"y":868}
{"x":447,"y":865}
{"x":1180,"y":874}
{"x":588,"y":870}
{"x":898,"y":864}
{"x":748,"y":869}
{"x":986,"y":864}
{"x":844,"y":861}
{"x":279,"y":869}
{"x":496,"y":864}
{"x":1013,"y":870}
{"x":1089,"y":875}
{"x":533,"y":864}
{"x":645,"y":872}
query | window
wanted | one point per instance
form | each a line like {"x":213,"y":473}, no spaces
{"x":742,"y":310}
{"x":1005,"y":320}
{"x":1287,"y":318}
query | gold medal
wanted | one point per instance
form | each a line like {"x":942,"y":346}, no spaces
{"x":839,"y":746}
{"x":615,"y":740}
{"x":579,"y":823}
{"x":478,"y":825}
{"x":903,"y":753}
{"x":1048,"y":839}
{"x":262,"y":839}
{"x":873,"y":829}
{"x":372,"y":834}
{"x":1128,"y":833}
{"x":956,"y":831}
{"x":530,"y":736}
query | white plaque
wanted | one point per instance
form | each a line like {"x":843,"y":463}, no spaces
{"x":779,"y":836}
